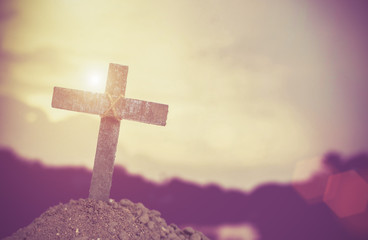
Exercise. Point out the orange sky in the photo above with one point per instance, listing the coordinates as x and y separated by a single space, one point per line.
251 86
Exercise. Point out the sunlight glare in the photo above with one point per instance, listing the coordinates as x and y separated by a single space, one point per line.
95 82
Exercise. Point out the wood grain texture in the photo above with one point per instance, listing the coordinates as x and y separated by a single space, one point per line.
98 103
108 136
103 167
79 101
116 80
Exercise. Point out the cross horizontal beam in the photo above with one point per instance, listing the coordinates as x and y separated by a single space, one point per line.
98 103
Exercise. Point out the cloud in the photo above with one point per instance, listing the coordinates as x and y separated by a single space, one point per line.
249 84
7 10
72 141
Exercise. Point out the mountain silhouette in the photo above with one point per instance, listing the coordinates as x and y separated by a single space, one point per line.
28 188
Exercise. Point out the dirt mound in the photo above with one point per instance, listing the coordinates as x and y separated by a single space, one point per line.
90 219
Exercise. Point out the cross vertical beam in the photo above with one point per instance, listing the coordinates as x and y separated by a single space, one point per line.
108 137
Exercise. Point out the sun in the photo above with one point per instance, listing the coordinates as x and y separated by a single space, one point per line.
95 82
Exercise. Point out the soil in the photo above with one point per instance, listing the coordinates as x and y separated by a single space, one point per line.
87 219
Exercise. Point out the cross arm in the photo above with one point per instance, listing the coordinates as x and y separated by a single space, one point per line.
146 112
98 103
79 101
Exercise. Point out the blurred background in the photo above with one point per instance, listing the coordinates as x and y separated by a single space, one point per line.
258 91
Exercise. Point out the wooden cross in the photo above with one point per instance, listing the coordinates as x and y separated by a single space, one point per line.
112 106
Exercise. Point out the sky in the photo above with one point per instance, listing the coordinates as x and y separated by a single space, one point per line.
254 88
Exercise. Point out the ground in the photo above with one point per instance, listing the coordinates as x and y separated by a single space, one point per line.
91 219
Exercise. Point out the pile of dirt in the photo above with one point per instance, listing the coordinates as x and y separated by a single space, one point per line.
87 219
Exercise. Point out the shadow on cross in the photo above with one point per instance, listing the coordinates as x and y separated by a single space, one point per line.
278 212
